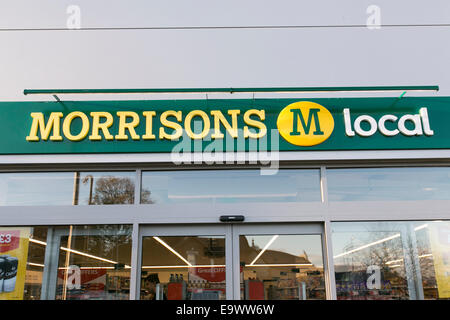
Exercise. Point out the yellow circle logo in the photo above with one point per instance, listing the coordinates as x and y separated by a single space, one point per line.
305 123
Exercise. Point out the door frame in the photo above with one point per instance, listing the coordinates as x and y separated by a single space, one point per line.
231 232
189 230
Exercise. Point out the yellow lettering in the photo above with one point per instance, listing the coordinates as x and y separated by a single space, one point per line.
45 129
84 127
254 123
170 129
206 124
149 125
123 125
170 124
220 118
96 126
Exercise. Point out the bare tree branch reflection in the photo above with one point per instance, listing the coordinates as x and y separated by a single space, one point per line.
117 190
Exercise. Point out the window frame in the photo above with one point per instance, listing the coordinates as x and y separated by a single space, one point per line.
138 215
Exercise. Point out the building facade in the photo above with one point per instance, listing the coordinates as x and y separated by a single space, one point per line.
255 199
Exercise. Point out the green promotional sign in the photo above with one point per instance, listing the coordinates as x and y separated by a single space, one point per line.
224 125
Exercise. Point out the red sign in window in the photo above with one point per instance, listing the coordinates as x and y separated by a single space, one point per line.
9 240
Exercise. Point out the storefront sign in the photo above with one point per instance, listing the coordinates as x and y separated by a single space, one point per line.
13 262
225 125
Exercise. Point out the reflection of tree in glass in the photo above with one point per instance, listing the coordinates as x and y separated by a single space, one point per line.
387 255
116 190
111 242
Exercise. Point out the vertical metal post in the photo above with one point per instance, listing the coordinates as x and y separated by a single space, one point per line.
135 273
409 267
233 279
135 257
91 186
137 187
75 200
330 279
76 188
324 185
49 275
67 262
415 262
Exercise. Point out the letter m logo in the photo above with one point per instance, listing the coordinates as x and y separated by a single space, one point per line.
297 117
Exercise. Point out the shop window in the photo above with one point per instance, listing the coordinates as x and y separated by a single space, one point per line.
66 188
402 184
230 186
392 260
65 262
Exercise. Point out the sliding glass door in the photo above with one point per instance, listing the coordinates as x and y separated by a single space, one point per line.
250 262
185 263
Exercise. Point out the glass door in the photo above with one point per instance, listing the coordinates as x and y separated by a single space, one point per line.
185 263
279 262
233 262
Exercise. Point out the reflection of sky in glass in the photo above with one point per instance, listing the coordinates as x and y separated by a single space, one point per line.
365 237
41 188
388 184
48 188
295 245
351 235
232 186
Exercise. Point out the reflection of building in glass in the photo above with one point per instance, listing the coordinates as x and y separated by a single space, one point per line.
428 276
372 270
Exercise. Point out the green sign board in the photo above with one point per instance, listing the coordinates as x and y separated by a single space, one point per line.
224 125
